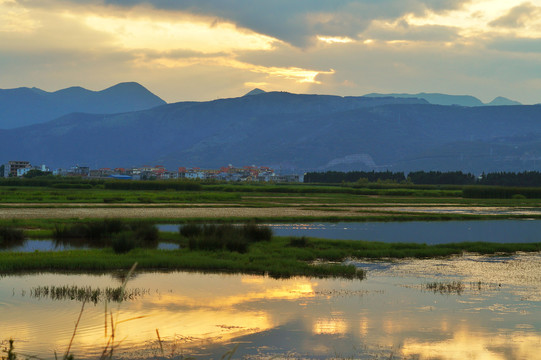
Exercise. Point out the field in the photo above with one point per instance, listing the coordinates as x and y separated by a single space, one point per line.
38 210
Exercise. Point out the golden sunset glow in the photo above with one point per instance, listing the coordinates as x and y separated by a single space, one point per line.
330 326
316 48
295 290
147 33
472 20
335 39
468 345
297 75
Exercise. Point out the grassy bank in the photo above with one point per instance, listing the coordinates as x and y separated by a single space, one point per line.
281 257
252 262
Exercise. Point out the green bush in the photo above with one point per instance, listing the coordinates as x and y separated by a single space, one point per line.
191 230
123 242
214 237
153 185
146 234
235 243
10 236
94 230
298 241
113 199
254 233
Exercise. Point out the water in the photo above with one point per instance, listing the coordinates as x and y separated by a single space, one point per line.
427 232
390 314
29 245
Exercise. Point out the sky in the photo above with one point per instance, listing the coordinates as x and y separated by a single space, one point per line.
207 49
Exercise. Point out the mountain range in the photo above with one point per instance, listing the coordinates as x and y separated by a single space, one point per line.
444 99
26 106
292 132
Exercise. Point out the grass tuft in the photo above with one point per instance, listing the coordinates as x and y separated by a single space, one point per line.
10 236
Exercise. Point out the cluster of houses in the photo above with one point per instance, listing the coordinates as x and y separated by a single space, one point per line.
158 172
19 168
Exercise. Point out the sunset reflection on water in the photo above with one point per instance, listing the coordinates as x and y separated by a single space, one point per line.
206 315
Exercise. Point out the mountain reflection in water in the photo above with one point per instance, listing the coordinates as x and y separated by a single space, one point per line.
204 315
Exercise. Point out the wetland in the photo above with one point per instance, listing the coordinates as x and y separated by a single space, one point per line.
393 313
346 274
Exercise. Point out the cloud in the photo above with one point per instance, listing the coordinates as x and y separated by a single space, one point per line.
518 16
297 22
403 31
205 49
517 45
142 32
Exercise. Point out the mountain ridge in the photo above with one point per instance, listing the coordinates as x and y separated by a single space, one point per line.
450 100
26 106
291 131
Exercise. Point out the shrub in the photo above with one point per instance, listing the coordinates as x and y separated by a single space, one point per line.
210 242
191 230
10 236
123 242
113 199
95 230
114 225
298 241
9 233
214 237
254 233
146 234
235 243
76 231
193 243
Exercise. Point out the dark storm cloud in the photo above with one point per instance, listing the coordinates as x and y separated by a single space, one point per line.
298 22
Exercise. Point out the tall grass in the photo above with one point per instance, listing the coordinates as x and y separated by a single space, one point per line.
10 236
213 237
121 235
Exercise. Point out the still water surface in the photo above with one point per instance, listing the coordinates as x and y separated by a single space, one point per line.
391 313
428 232
30 245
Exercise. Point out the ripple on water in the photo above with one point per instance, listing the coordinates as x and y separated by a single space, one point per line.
519 273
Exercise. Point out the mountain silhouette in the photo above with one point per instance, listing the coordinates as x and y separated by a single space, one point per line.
444 99
292 132
26 106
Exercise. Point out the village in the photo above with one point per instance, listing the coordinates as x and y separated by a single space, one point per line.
157 172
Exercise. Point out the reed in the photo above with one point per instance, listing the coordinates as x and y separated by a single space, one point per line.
453 287
215 237
10 236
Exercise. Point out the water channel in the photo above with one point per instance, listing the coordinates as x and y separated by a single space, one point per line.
427 232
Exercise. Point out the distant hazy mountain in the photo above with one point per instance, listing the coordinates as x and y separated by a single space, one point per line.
501 101
255 91
293 132
438 99
25 106
443 99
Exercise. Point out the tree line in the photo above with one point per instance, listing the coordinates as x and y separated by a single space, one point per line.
520 179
